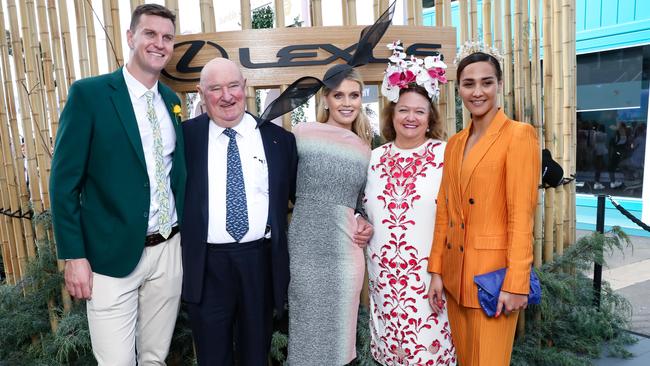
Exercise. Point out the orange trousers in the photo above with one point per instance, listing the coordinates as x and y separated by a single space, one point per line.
479 340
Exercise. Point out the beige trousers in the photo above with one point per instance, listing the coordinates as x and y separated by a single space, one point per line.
137 313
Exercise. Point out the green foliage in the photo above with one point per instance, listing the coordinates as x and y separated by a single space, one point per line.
24 314
279 343
262 18
298 114
364 357
566 328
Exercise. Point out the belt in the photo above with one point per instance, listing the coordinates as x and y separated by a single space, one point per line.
155 239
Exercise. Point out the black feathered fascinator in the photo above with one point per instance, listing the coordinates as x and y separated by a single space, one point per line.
304 88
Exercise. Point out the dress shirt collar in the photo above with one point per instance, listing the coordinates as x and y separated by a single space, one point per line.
244 128
136 87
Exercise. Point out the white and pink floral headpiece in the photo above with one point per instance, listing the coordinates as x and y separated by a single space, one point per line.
404 71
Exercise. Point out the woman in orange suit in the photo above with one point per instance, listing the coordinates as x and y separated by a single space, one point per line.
484 219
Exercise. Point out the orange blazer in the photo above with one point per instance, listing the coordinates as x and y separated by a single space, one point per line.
486 207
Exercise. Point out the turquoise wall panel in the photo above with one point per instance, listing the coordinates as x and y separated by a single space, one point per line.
642 10
586 214
593 13
580 15
626 11
609 13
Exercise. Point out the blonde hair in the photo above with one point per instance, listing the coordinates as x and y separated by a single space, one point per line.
361 125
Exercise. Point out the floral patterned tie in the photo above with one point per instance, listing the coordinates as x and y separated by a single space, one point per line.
162 192
236 206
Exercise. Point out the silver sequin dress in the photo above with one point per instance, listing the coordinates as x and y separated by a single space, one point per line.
327 268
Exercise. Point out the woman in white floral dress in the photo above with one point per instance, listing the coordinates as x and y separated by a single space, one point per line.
403 180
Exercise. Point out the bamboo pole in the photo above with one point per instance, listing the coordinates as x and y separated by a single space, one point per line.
62 93
173 6
440 13
518 63
37 135
450 88
116 39
13 186
246 19
487 22
473 16
418 12
549 140
8 194
280 23
410 12
317 13
442 103
110 34
135 3
536 76
21 250
464 36
279 14
568 118
91 38
574 107
50 93
84 64
464 31
526 67
57 57
246 23
498 21
558 94
508 98
67 42
207 16
537 122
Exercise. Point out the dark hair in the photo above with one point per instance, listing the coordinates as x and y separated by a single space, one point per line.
434 127
151 9
479 57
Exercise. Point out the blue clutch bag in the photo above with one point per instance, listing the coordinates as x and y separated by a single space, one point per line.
489 286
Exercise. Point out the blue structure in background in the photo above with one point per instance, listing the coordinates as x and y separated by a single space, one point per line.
601 25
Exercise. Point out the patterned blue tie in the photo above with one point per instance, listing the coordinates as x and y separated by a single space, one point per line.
236 207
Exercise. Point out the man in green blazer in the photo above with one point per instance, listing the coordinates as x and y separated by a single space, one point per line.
117 188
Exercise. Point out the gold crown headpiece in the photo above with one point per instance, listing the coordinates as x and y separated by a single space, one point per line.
470 47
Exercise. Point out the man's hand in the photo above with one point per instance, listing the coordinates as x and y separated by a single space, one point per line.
78 278
363 233
509 302
435 293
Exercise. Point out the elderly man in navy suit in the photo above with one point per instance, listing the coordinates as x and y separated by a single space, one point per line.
241 176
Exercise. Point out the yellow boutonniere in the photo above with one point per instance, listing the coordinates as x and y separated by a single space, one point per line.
176 109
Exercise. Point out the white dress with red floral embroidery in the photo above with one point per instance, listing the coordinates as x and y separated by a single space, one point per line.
400 196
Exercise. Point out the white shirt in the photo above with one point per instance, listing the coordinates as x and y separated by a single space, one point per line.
139 103
256 180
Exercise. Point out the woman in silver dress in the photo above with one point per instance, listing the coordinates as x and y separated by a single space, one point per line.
326 265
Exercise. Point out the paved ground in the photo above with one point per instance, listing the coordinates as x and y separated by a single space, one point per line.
629 274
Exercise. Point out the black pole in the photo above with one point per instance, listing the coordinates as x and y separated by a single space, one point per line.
598 269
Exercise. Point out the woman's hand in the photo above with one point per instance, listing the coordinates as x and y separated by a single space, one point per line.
509 302
363 233
435 293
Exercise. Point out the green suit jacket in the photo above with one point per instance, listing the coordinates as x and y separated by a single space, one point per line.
99 186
